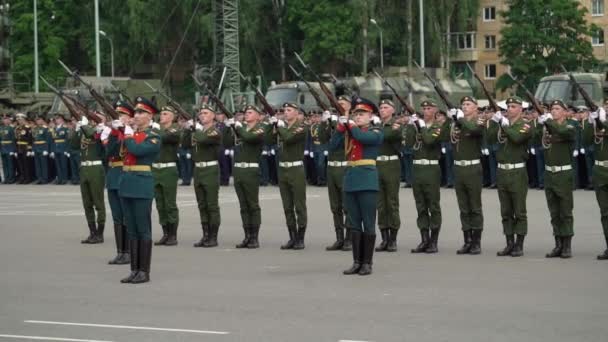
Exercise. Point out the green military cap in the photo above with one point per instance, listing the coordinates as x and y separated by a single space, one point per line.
514 99
291 104
207 106
468 98
20 116
582 108
253 108
387 102
428 103
559 103
345 98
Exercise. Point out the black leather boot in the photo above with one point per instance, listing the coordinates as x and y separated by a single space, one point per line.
356 244
557 250
98 237
165 236
425 238
467 243
509 247
293 232
300 238
253 241
339 241
392 240
119 259
134 252
432 247
145 258
203 240
385 236
92 233
605 255
567 247
475 242
212 240
172 234
126 256
245 242
518 249
348 242
369 241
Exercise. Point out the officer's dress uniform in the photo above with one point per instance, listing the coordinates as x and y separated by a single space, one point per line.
24 148
184 162
8 151
42 141
60 144
318 150
164 170
73 153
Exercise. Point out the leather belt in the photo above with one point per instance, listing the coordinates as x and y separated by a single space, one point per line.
6 142
91 163
387 158
21 142
60 140
206 164
135 168
337 163
116 163
426 162
39 142
362 162
555 169
466 162
163 165
290 164
246 165
511 166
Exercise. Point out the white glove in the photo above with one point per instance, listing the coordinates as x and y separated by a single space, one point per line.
343 120
272 151
575 153
376 120
100 127
238 124
459 114
334 118
273 120
189 123
443 150
504 122
12 154
45 153
325 153
594 115
305 152
129 130
453 113
155 125
52 154
351 123
311 154
232 153
116 124
230 122
227 152
83 121
601 114
582 151
188 156
326 115
281 123
486 151
105 134
533 151
67 154
421 123
497 117
199 127
78 125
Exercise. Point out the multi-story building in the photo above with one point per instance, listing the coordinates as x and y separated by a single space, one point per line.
480 48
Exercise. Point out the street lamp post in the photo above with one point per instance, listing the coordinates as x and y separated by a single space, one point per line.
97 57
111 50
373 21
36 87
421 33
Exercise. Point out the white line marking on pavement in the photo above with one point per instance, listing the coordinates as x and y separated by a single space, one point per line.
129 327
353 341
45 338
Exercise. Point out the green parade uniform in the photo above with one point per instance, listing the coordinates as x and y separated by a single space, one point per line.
246 175
558 139
41 147
466 136
361 186
292 179
164 170
205 145
426 145
137 193
389 173
596 134
336 166
92 176
512 178
8 151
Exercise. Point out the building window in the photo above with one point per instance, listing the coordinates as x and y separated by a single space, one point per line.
598 38
490 42
597 7
490 71
489 13
463 40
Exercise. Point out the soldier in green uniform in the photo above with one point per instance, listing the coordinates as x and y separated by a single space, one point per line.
42 144
92 176
336 165
466 134
250 135
114 152
361 182
595 133
291 134
59 147
204 142
389 171
425 135
166 176
8 149
511 133
558 139
142 147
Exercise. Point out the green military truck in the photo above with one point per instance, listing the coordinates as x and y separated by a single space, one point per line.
559 87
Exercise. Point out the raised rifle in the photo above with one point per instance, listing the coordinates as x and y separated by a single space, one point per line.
105 105
312 90
529 95
77 109
337 82
438 89
180 111
588 100
258 94
404 103
493 103
332 99
206 89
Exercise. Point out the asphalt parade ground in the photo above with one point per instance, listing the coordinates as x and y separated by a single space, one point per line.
53 288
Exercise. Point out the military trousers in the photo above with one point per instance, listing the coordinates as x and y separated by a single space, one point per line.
23 167
468 185
512 192
41 164
426 189
206 189
75 167
389 179
247 187
335 181
292 186
8 167
138 217
320 160
601 194
558 191
61 167
361 210
92 182
115 206
165 195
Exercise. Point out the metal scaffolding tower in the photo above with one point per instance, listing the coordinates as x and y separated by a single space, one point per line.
227 41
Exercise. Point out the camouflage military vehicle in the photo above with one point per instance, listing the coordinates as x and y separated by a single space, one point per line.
16 101
559 87
296 92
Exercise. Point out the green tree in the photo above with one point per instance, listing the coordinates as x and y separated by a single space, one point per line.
541 35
